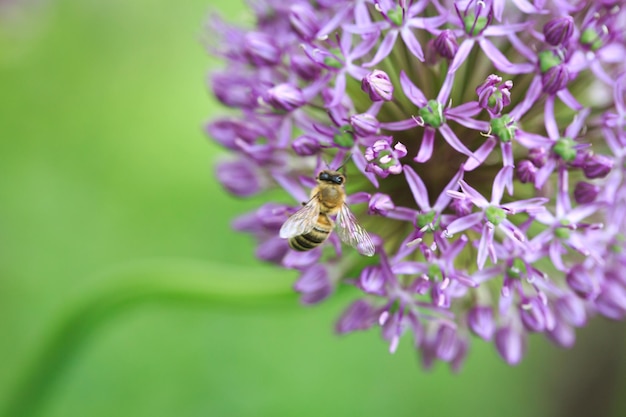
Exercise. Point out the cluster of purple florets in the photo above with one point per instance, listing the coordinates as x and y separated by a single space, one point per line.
485 143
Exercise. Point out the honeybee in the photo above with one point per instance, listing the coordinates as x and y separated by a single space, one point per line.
310 226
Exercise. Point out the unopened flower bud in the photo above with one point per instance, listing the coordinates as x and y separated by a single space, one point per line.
445 44
538 156
261 49
572 310
481 321
581 282
559 30
285 97
305 68
445 343
597 166
233 91
238 177
314 285
526 171
462 207
378 85
306 145
365 124
611 301
536 316
371 280
304 20
555 79
510 344
585 193
360 315
380 204
562 335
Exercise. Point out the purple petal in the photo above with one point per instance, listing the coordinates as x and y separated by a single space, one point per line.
499 183
522 48
420 193
485 246
550 120
510 345
569 100
384 49
361 164
409 268
480 154
399 126
577 124
503 30
426 148
450 137
481 321
532 140
411 43
501 62
532 94
464 223
461 55
464 110
412 92
531 205
339 90
444 197
334 21
292 186
444 92
476 198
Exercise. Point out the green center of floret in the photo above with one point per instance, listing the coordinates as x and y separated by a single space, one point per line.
344 138
434 272
564 147
432 114
474 25
495 215
332 61
395 15
517 269
547 60
427 219
591 38
503 127
563 232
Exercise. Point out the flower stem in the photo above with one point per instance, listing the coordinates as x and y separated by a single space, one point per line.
179 282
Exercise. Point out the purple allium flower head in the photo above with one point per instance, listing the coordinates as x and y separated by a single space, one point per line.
444 161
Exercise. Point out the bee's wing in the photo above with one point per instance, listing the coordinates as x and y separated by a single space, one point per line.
351 232
302 221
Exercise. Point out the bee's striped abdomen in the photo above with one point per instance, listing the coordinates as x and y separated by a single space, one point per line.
315 237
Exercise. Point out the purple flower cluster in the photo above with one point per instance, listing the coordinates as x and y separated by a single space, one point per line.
485 143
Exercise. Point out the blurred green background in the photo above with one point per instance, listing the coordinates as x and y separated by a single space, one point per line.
122 290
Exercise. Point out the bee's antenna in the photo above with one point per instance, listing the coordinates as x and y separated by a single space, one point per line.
339 161
346 159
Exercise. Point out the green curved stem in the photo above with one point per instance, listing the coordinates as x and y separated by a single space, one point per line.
169 282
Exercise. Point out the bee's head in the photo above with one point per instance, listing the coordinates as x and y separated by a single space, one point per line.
332 177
